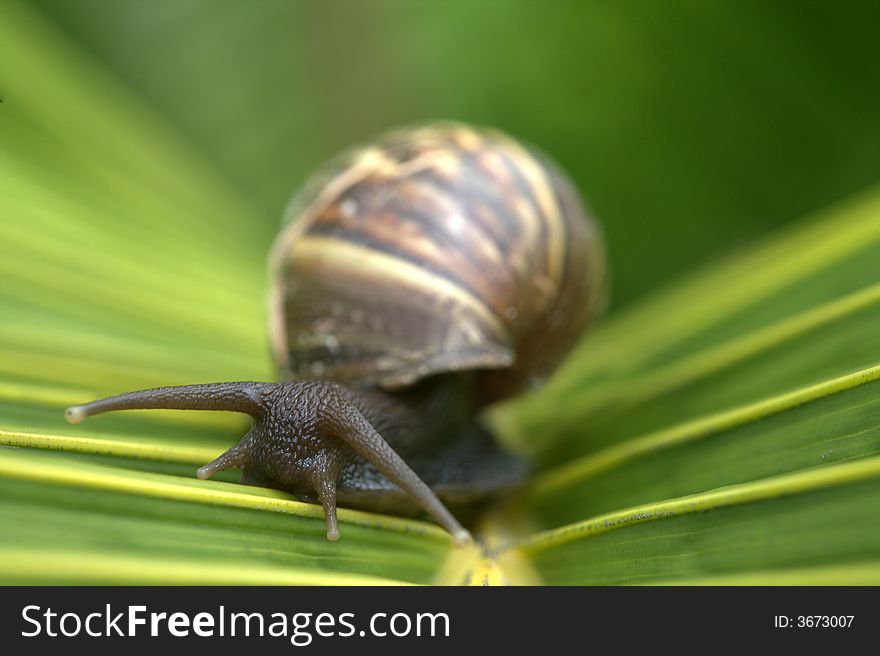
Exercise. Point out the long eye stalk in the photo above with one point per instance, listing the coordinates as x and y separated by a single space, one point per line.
234 397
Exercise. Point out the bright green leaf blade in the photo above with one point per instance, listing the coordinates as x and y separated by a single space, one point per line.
813 427
824 517
139 518
747 390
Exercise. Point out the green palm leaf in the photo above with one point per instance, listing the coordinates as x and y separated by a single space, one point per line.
725 430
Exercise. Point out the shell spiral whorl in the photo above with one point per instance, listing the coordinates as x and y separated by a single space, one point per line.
437 248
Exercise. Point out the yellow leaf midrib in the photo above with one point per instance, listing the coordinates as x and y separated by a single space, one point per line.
50 565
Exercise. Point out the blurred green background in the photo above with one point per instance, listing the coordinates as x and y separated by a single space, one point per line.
692 126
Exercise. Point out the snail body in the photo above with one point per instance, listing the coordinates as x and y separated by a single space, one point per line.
415 281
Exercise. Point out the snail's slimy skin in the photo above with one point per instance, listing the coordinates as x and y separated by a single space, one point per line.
321 440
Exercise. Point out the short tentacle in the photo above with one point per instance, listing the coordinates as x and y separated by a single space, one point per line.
237 456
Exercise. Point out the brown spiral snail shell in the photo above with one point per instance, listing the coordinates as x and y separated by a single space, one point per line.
416 280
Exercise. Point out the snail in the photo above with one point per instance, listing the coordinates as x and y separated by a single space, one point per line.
415 281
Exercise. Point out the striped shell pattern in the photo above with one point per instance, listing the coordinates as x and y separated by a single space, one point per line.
436 248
